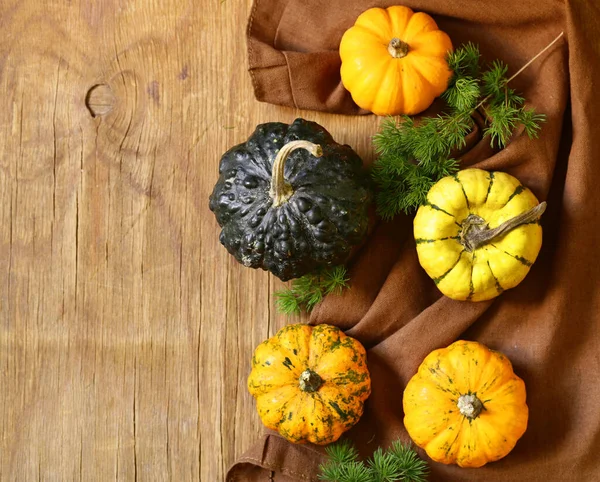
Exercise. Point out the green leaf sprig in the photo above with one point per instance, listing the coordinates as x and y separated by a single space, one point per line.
400 463
307 291
413 156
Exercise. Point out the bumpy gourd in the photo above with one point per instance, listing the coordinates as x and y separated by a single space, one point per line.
310 383
465 405
394 61
291 200
478 233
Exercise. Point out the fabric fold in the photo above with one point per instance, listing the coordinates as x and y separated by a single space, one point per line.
272 458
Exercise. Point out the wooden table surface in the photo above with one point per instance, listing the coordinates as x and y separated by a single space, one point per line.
126 329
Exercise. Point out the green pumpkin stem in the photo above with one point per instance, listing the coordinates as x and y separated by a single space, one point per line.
397 48
475 231
469 406
281 190
310 381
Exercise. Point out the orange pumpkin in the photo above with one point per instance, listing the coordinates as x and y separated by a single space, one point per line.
310 383
465 405
394 61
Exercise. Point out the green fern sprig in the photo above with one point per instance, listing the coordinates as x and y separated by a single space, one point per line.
309 290
464 62
413 156
400 463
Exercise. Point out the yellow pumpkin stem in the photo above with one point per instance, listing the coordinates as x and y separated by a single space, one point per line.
281 190
475 231
397 48
469 406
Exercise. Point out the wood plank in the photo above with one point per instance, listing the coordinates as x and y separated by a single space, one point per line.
126 329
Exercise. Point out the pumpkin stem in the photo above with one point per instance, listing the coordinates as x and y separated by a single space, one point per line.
310 381
469 406
281 190
476 232
397 48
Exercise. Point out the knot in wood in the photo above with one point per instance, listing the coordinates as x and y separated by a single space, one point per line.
100 100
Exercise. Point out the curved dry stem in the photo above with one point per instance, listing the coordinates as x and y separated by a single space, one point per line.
281 190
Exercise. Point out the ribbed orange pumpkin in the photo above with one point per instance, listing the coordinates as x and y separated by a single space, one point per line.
310 383
465 405
394 61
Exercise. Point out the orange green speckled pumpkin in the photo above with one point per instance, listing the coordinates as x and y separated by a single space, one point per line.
465 405
310 383
478 233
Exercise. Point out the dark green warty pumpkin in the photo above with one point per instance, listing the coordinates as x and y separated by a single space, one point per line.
291 200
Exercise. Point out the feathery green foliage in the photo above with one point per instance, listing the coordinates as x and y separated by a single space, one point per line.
413 156
307 291
412 468
400 463
464 62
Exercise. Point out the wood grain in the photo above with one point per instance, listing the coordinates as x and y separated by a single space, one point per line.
126 329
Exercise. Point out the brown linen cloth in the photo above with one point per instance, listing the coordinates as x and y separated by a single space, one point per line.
549 325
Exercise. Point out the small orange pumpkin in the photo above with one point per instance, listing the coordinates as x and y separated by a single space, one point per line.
394 61
310 383
465 405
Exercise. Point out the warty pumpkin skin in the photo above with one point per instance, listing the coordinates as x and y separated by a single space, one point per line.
394 61
291 200
310 383
465 405
478 233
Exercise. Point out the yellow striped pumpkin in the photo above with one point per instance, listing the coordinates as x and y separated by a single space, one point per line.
478 233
